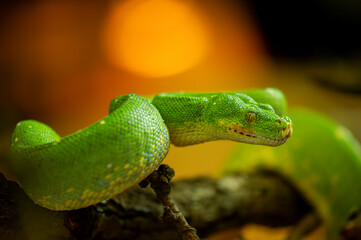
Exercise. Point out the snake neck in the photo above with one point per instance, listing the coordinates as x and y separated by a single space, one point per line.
189 133
184 119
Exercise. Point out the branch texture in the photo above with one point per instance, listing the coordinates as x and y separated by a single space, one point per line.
209 205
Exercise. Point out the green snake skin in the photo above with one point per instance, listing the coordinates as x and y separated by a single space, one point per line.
120 150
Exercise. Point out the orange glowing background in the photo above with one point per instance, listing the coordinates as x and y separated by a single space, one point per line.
156 38
71 59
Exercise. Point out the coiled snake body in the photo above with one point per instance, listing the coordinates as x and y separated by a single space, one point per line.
124 147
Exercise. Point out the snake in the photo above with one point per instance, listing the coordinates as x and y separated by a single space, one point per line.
120 150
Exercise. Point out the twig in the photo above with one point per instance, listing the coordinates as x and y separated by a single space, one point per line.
159 181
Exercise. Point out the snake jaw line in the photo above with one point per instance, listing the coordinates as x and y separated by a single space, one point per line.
250 136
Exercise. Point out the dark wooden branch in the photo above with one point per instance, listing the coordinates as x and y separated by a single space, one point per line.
209 205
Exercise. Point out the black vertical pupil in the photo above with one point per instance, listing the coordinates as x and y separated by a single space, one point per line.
251 117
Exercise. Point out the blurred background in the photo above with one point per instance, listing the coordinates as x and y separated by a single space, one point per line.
61 62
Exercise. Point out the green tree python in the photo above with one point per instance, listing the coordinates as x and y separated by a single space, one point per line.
120 150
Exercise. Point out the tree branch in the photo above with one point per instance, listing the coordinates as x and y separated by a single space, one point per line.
210 205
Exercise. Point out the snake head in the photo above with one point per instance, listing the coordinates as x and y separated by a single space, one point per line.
238 117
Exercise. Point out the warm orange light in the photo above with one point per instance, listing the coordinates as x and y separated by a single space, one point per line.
155 38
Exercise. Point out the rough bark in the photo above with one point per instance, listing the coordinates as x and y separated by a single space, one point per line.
209 205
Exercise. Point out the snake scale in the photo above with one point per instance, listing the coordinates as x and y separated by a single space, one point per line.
120 150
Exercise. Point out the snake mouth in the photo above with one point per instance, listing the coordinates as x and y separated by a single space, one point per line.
250 136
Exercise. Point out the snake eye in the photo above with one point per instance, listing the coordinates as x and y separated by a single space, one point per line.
251 117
